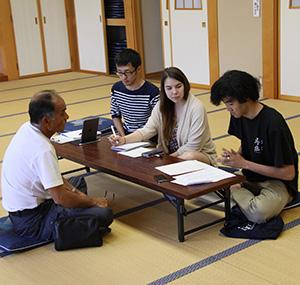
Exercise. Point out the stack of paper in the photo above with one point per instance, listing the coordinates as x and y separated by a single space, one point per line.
129 146
68 136
136 152
59 138
181 167
208 175
195 172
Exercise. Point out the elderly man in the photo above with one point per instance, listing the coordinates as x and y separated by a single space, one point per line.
33 191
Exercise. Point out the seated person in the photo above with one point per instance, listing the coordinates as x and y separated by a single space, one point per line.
267 154
179 120
132 98
33 191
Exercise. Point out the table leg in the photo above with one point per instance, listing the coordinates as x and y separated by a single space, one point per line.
180 218
227 203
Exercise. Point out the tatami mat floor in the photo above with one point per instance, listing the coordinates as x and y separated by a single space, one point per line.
143 246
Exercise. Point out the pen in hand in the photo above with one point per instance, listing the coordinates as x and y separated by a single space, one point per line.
114 133
113 130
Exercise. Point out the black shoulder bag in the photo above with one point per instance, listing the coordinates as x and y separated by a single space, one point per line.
78 232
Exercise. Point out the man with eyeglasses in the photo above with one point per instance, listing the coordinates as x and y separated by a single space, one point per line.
132 98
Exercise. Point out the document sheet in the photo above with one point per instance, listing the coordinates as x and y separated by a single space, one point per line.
68 136
137 152
194 172
129 146
181 167
207 175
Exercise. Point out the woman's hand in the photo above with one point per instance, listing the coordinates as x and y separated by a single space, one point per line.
116 140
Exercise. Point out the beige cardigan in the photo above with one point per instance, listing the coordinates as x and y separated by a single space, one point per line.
193 132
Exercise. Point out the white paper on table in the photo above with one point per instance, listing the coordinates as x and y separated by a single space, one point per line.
75 135
59 138
129 146
68 136
207 175
181 167
137 152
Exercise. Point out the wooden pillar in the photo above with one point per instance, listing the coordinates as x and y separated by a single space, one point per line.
270 48
213 40
8 55
72 34
134 34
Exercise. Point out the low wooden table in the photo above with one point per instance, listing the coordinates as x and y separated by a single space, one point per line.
142 171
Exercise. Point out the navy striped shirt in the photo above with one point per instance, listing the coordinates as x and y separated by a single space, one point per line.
134 107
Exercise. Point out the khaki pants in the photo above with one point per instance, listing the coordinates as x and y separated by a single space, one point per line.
268 203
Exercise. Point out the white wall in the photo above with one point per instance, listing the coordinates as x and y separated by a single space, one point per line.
240 37
289 50
152 36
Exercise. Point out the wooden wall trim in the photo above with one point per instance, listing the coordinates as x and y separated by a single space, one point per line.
289 98
200 86
115 22
269 47
7 42
134 33
42 34
72 34
105 37
213 40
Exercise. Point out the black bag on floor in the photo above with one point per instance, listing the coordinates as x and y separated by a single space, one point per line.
237 226
77 232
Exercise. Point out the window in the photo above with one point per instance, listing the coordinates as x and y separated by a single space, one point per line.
294 4
188 4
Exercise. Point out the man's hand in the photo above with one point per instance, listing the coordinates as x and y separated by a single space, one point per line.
235 186
100 202
232 158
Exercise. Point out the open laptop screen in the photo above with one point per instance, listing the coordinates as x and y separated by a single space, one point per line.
89 131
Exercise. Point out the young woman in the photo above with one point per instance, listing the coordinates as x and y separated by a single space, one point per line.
179 120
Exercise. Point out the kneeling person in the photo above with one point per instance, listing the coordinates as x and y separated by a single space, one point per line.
267 154
33 190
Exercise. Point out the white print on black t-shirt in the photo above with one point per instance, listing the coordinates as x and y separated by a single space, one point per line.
258 145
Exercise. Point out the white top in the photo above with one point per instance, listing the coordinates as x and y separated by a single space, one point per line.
30 167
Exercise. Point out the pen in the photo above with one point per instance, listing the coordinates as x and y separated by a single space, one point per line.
113 130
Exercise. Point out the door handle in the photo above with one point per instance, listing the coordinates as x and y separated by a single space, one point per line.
44 18
36 20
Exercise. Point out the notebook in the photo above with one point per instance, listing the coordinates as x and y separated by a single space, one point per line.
129 146
89 132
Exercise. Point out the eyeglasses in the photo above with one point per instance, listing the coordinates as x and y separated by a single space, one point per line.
126 73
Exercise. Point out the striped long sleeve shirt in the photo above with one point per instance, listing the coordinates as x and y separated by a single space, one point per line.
133 107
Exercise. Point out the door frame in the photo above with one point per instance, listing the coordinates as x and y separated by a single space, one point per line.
270 48
213 49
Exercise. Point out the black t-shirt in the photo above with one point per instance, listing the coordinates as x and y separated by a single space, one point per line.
266 140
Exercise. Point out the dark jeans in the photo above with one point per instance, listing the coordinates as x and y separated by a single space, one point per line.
39 222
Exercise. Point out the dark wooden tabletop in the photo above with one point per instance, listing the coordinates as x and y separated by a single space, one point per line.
138 170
